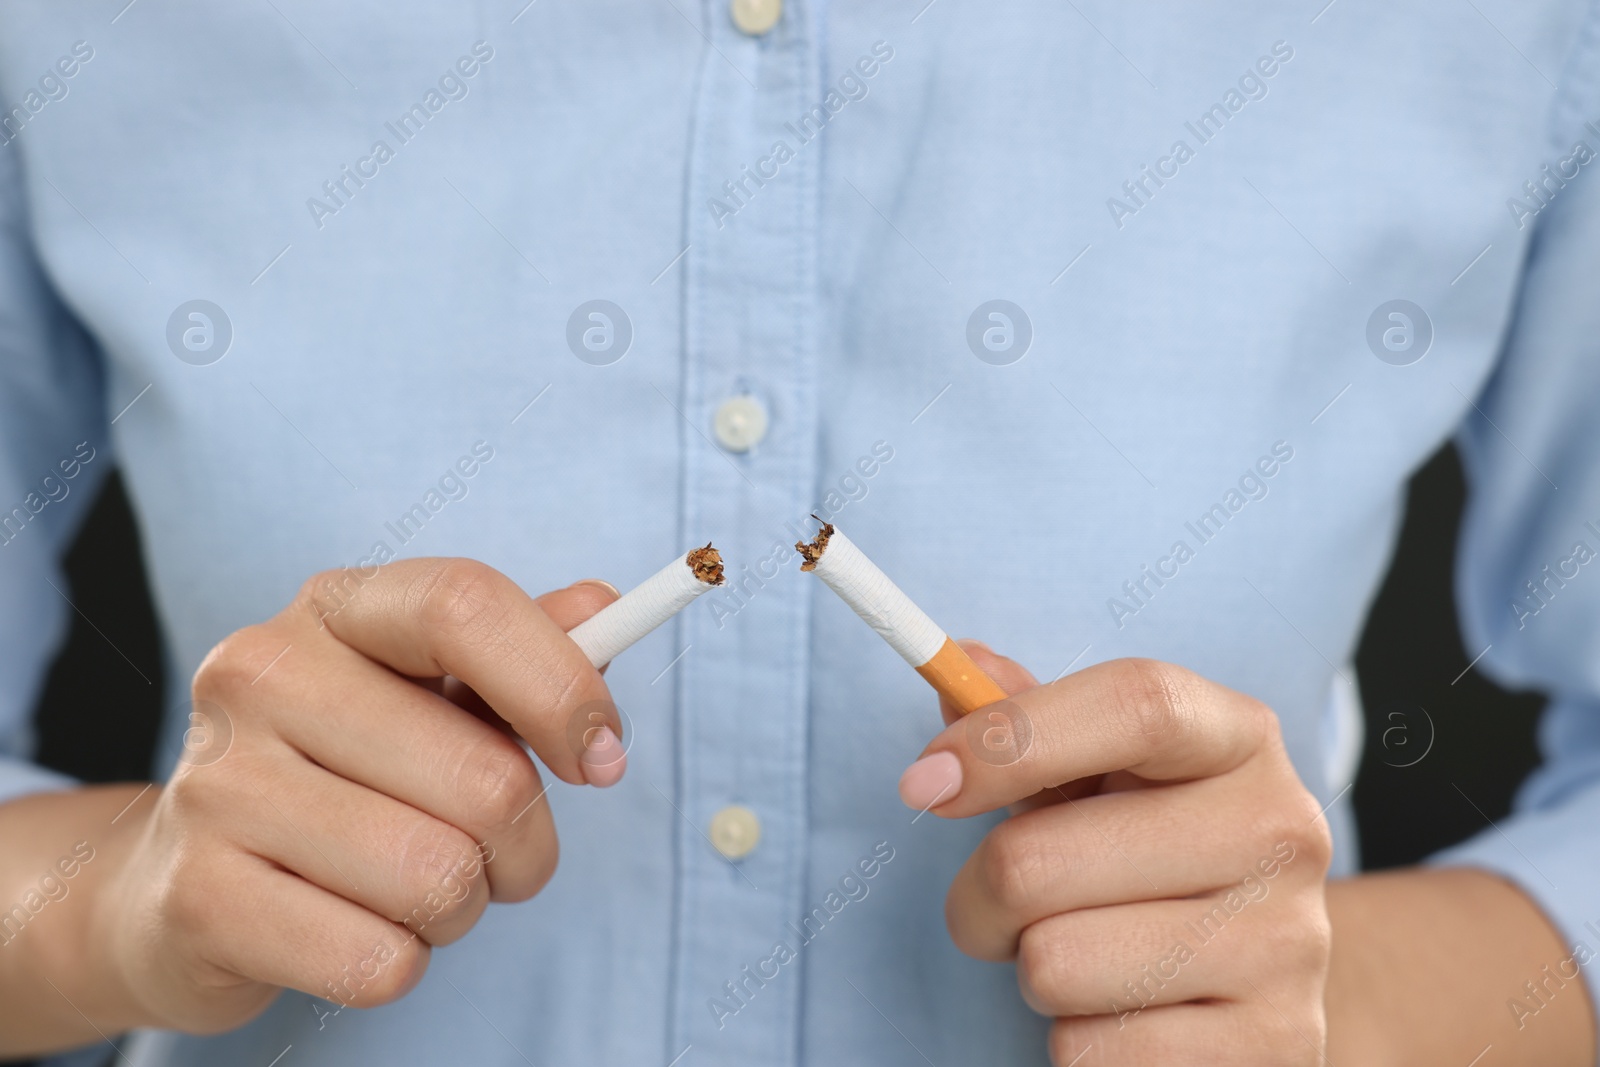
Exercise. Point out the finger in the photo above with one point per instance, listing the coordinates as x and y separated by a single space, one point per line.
1171 951
402 741
284 931
987 728
597 732
1012 676
566 608
371 849
991 731
591 605
1148 844
467 699
1196 1035
578 602
1151 719
431 617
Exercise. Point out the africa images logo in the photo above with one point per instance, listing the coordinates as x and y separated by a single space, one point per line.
199 332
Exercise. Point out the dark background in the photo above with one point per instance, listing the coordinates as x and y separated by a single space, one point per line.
1437 733
1411 663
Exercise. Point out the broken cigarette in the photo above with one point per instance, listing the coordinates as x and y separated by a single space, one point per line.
908 630
647 605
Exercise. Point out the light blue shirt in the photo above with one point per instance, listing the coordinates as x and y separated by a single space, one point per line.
1184 435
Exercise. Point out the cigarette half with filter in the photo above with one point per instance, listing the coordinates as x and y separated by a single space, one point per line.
846 570
647 605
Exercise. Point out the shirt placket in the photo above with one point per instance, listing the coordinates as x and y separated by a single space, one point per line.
750 304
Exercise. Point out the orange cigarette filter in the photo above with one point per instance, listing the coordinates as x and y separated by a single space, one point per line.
958 679
846 570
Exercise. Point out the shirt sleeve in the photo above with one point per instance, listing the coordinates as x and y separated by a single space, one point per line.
54 454
1528 578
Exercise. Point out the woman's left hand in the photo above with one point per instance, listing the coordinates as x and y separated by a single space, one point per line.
1160 880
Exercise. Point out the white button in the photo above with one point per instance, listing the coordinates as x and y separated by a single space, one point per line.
735 831
755 17
741 423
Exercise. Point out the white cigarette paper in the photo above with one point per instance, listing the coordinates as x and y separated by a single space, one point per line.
906 628
869 593
647 605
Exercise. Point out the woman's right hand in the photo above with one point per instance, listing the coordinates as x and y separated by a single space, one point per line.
360 799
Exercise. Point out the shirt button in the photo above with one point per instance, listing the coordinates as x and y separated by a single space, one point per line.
755 17
735 831
740 423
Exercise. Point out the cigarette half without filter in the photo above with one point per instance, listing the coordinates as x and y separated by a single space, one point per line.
846 570
648 605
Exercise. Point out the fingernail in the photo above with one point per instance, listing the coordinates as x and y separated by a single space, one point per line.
600 583
931 780
603 759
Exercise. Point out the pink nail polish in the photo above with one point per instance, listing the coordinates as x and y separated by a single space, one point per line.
604 759
931 781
